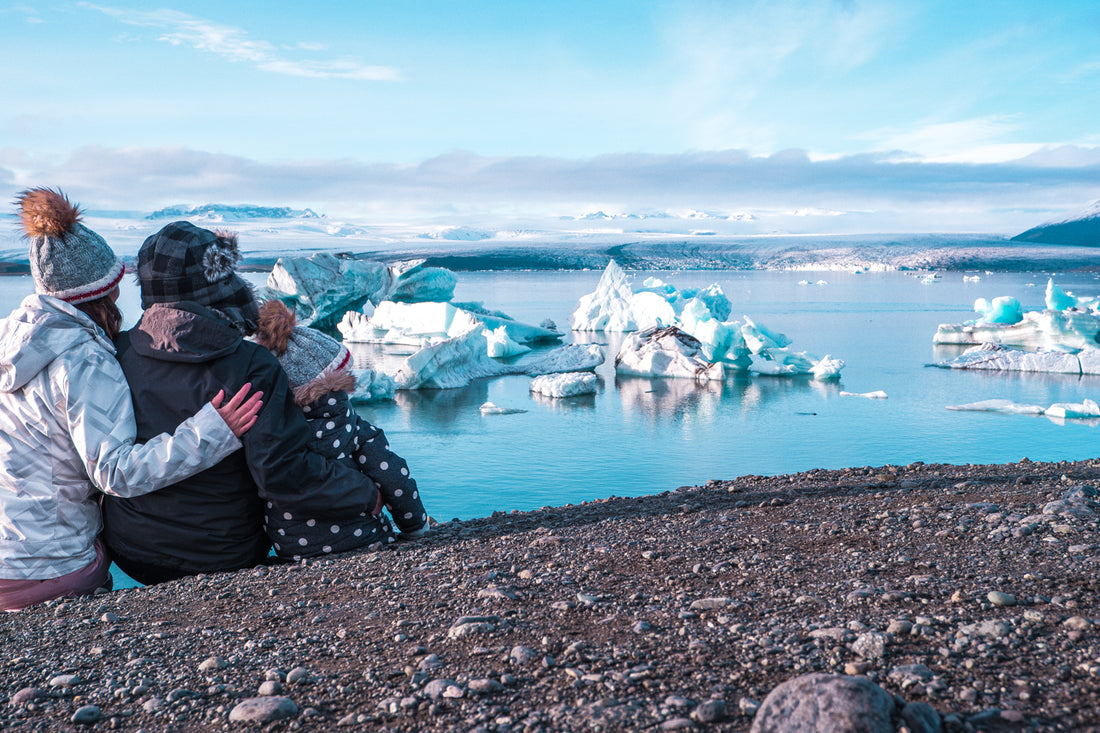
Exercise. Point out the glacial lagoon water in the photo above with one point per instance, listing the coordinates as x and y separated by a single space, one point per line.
641 436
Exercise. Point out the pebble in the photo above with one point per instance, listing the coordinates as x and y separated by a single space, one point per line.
65 680
212 664
298 675
270 687
26 695
523 655
870 645
263 710
711 711
437 689
87 715
999 598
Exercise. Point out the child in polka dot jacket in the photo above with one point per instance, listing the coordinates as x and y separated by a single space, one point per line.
317 369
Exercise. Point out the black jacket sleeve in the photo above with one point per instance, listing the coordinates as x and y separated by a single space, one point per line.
287 473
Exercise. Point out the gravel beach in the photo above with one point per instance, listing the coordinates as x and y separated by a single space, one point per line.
969 594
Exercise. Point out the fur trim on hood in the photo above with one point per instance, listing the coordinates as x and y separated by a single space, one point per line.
46 213
340 381
275 326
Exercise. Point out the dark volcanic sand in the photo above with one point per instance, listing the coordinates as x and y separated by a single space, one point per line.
622 614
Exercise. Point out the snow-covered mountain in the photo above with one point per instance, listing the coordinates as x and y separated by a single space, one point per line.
226 212
1082 229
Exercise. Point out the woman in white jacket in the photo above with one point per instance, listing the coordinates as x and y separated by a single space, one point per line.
67 427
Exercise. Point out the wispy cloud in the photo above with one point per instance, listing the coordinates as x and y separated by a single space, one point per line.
234 44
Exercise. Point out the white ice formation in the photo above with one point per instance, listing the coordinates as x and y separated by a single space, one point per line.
1067 324
1086 410
371 385
999 358
457 361
702 314
489 408
420 324
878 394
321 288
569 384
666 352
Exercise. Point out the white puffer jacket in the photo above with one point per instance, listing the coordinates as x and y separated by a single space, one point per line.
67 429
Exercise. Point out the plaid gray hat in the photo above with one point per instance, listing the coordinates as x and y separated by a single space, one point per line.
182 262
68 260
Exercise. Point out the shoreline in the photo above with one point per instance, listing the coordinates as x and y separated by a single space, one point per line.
676 610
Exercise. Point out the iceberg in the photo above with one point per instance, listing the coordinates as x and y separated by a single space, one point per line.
457 361
996 357
878 394
420 324
489 408
666 352
568 384
699 313
321 288
1003 309
608 307
1005 406
1049 329
1086 410
568 358
501 345
1068 323
372 386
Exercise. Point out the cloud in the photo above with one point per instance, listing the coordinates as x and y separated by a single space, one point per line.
876 192
234 44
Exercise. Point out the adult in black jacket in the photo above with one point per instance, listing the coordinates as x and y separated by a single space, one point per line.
189 339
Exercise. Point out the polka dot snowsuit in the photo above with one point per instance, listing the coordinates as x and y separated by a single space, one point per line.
341 435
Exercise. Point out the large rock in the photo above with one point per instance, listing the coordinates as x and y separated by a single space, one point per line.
826 703
263 710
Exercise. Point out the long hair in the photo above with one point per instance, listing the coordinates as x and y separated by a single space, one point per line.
105 313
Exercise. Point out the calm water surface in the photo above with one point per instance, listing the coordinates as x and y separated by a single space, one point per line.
639 436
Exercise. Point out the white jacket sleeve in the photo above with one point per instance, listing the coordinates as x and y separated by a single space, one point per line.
101 424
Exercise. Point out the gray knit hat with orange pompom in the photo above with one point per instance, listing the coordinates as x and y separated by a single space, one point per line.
68 260
305 353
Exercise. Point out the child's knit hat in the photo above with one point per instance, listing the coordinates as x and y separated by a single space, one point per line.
68 260
305 353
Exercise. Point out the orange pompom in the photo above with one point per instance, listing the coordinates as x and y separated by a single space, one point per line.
275 325
46 212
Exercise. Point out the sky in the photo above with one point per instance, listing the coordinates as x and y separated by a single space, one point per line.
831 115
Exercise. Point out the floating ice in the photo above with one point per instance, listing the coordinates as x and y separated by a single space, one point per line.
1005 406
827 368
608 307
1049 329
371 385
500 344
699 313
1002 309
1059 410
1068 323
490 409
568 358
321 288
425 323
665 352
759 339
569 384
457 361
876 395
996 357
451 363
972 278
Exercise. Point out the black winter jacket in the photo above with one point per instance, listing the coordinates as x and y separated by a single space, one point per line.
175 359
